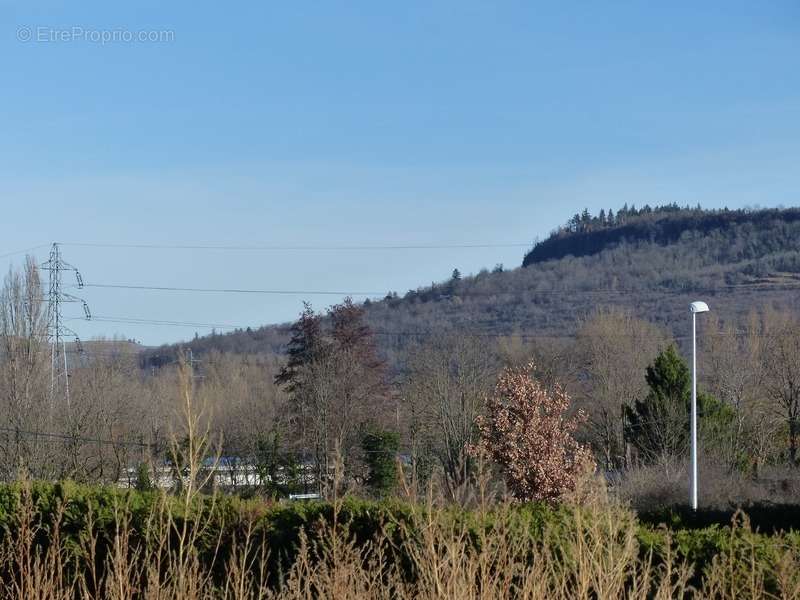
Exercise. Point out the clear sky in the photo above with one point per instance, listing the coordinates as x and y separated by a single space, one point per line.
371 123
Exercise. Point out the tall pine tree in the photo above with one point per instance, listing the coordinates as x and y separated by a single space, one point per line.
658 425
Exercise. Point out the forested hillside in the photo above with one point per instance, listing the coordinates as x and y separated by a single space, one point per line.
586 234
651 260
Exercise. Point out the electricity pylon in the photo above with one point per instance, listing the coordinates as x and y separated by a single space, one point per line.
57 332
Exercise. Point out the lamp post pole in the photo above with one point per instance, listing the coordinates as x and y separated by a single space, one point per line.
694 412
694 308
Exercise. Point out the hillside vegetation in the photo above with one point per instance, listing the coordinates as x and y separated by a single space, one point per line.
652 261
653 265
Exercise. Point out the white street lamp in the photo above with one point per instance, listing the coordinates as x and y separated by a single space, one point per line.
695 307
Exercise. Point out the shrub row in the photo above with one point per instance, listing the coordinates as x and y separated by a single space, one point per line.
75 509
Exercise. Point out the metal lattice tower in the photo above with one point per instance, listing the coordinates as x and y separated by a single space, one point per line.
57 332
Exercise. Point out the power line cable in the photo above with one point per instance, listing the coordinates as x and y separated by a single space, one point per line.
464 294
230 290
362 247
71 438
31 249
137 321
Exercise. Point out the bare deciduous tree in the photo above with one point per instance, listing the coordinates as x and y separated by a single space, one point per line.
781 332
615 348
447 383
250 411
107 406
23 373
736 375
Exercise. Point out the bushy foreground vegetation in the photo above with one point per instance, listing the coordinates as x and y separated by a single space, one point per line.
67 540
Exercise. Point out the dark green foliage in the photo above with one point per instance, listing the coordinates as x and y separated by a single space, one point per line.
766 518
716 424
380 455
277 467
143 482
661 225
305 346
658 425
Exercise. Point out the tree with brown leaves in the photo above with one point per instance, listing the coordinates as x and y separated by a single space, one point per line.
528 433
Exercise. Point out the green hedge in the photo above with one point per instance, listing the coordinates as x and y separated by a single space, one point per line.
696 538
766 518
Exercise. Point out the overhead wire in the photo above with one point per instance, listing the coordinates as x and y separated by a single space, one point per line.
71 438
138 321
24 250
466 293
360 247
228 290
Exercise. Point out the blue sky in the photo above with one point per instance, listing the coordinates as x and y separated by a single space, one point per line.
370 123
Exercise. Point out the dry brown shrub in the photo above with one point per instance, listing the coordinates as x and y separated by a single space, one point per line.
528 433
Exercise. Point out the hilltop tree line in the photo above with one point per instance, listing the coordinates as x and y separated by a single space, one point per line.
585 221
585 234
